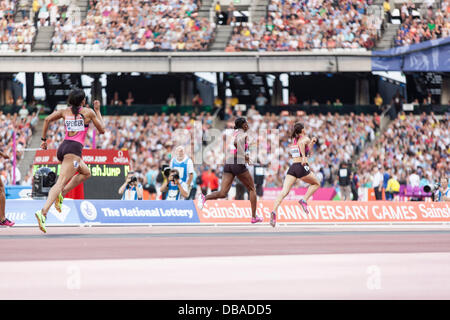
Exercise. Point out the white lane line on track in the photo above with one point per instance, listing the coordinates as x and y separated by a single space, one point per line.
328 276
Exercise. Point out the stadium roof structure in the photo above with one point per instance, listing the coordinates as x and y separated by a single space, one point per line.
187 62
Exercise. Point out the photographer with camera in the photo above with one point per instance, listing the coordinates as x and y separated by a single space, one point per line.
443 192
176 189
131 189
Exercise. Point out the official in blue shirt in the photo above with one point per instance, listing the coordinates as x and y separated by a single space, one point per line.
184 165
443 194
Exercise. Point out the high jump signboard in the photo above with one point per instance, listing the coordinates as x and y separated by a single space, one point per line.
109 169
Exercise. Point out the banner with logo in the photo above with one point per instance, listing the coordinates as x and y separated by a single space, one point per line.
136 212
295 193
17 192
22 213
109 169
327 212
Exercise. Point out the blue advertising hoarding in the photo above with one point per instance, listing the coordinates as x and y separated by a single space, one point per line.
22 213
78 212
136 212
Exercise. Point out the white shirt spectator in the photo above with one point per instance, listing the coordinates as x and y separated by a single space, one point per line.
414 180
377 179
23 113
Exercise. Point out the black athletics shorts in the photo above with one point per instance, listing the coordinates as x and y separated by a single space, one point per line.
298 170
69 146
235 169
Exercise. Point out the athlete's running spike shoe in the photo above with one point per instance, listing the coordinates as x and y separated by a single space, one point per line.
59 202
304 205
201 201
7 223
257 219
273 219
41 220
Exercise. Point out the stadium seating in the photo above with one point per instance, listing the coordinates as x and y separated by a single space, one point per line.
410 143
24 131
306 25
135 25
14 36
432 23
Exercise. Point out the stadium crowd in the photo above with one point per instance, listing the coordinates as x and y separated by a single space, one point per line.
432 24
339 138
132 25
413 149
14 36
24 127
150 139
305 25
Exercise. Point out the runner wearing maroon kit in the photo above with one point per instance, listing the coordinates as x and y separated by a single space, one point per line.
236 166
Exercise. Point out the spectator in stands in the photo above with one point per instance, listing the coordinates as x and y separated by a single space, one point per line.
261 100
197 102
218 103
378 100
293 25
377 183
23 112
171 101
292 99
252 111
431 25
354 185
414 179
172 25
411 142
129 101
387 10
213 180
218 11
230 13
337 103
115 101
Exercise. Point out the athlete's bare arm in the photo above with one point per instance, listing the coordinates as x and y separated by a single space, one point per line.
57 114
312 143
302 145
96 117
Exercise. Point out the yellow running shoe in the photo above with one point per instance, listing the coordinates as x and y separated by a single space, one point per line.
59 202
41 220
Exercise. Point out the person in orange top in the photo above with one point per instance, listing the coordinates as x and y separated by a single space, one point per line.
213 181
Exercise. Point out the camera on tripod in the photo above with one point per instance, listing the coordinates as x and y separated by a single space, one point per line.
43 180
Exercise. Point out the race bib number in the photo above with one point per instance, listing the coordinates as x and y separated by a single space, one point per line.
76 125
295 152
